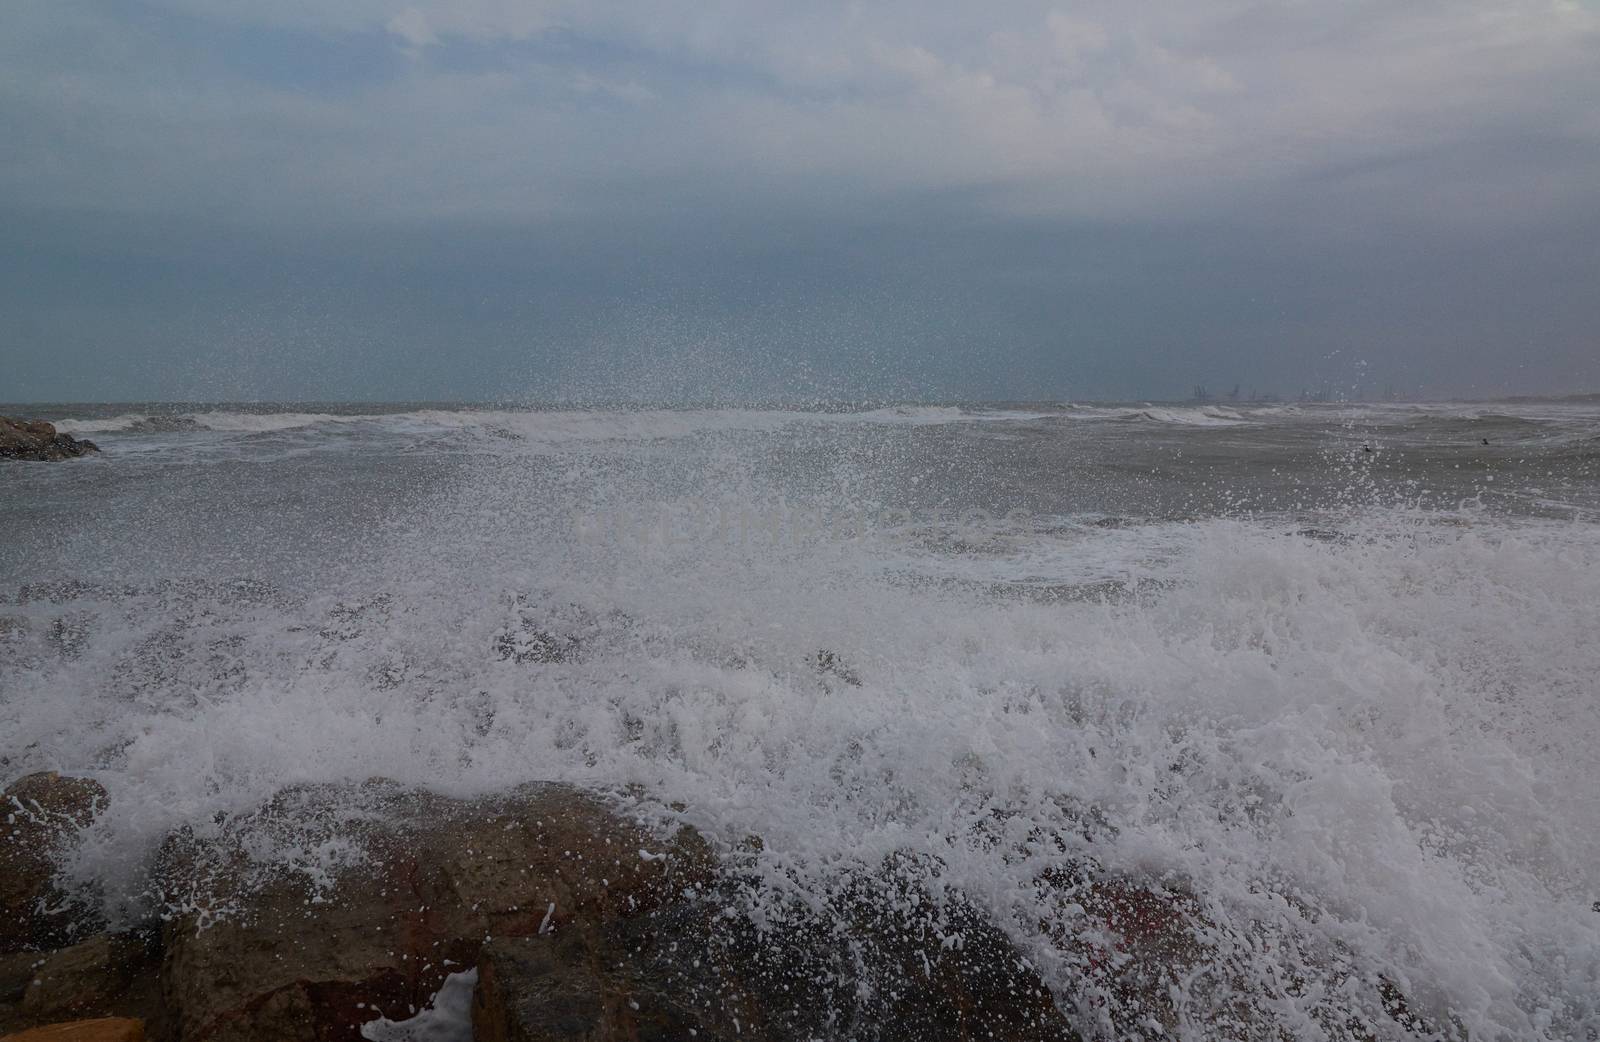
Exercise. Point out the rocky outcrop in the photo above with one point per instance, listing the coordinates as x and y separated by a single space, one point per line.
38 440
332 908
38 816
582 924
58 965
879 961
255 953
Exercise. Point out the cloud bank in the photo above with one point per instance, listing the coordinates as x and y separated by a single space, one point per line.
1046 165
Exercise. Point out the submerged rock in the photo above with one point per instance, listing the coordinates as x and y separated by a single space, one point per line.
530 644
829 664
38 816
545 633
38 440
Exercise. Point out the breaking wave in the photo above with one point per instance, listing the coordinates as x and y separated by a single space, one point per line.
1364 750
1193 416
1577 423
556 425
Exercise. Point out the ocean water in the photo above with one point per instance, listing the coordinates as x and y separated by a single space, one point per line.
1333 670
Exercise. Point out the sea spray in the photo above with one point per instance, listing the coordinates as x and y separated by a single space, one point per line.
1350 729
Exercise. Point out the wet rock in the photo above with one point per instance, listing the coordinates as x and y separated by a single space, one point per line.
879 959
581 923
38 816
104 1029
408 887
1131 945
544 631
558 988
531 644
887 956
1149 959
829 664
38 440
16 972
90 978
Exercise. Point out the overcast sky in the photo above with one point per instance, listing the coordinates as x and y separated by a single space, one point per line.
691 199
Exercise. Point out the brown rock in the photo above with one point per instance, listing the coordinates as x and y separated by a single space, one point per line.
561 988
16 973
85 978
38 440
434 877
888 959
879 960
105 1029
38 815
582 924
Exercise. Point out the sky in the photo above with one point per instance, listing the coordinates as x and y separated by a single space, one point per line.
706 200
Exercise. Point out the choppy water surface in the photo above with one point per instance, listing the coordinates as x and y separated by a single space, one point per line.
1332 669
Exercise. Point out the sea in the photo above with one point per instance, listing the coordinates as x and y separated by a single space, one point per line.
1332 670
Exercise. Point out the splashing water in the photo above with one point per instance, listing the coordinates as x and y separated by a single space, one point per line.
1329 673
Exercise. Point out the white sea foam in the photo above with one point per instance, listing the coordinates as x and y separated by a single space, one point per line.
1182 415
545 425
447 1018
1375 744
1575 421
236 422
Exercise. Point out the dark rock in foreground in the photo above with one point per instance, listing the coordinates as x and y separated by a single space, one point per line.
38 440
333 907
55 965
881 964
38 816
107 973
582 924
255 953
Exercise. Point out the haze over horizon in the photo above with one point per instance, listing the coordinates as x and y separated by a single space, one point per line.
413 199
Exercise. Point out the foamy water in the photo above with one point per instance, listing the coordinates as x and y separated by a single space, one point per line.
1332 670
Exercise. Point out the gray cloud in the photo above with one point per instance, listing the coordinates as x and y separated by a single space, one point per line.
995 199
